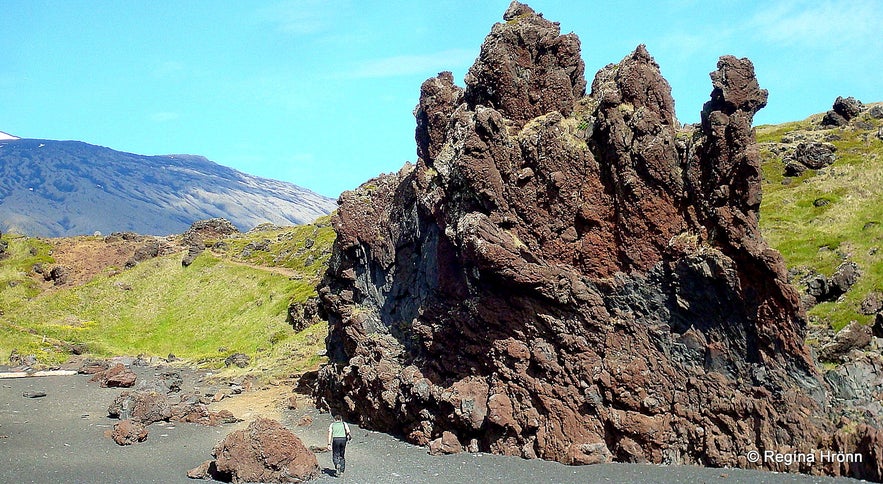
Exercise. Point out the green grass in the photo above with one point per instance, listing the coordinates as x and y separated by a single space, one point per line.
202 313
847 228
288 248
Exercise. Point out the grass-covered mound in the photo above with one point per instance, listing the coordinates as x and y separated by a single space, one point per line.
229 300
822 218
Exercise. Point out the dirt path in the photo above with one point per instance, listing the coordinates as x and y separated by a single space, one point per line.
60 438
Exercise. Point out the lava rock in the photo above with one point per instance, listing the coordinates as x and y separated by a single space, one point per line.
849 107
872 303
853 336
526 68
238 359
446 444
128 432
548 293
145 407
844 277
815 155
115 376
265 452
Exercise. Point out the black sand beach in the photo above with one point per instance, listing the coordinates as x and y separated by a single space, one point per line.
60 438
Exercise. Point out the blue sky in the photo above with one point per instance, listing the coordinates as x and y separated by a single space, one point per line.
321 93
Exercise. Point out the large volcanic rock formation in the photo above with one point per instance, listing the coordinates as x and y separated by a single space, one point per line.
574 277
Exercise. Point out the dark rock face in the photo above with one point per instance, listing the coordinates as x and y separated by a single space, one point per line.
581 283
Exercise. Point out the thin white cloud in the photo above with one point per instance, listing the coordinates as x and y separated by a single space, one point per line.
403 65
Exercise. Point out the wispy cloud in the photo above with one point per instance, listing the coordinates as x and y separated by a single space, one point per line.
403 65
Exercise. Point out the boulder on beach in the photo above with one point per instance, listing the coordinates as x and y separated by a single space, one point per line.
264 452
117 376
128 432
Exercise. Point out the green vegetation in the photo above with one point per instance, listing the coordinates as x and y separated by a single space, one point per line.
225 302
822 218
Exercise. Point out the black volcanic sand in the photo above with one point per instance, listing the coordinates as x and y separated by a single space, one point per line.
60 438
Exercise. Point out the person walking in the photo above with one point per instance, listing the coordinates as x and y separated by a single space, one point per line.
338 436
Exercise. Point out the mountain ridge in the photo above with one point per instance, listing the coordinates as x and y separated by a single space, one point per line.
64 188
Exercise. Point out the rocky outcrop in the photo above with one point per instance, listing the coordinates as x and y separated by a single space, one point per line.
526 68
843 111
574 278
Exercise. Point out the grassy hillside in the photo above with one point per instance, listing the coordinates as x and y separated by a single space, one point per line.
226 302
824 217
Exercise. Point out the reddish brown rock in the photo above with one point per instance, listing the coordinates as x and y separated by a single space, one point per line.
128 432
581 283
526 68
446 444
145 407
115 376
265 452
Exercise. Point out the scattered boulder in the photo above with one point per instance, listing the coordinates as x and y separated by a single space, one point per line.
199 413
19 360
853 336
208 470
844 277
872 303
849 107
844 110
214 228
145 407
265 452
815 155
792 168
238 359
303 315
147 251
115 376
59 275
446 444
876 112
128 432
877 328
192 253
822 288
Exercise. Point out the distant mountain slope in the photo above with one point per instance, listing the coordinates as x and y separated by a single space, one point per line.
62 188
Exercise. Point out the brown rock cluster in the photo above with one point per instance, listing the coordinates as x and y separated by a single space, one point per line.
576 277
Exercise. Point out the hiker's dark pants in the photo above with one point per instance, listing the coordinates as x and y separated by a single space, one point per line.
338 449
